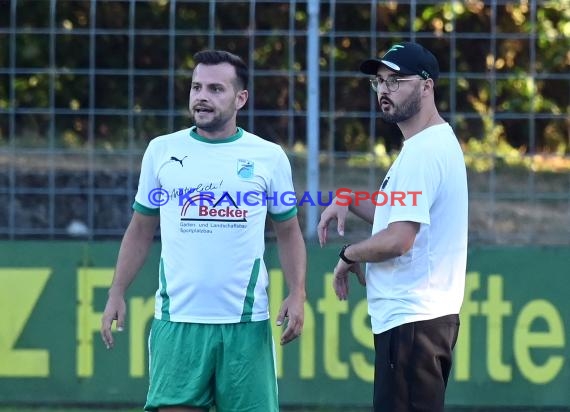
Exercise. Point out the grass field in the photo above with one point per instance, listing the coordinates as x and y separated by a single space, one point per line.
127 409
290 409
41 409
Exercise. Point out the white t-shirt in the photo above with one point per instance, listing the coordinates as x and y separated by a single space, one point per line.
428 281
216 197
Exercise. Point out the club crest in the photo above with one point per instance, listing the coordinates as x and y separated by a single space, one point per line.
245 168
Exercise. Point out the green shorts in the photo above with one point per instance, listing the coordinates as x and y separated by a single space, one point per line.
229 366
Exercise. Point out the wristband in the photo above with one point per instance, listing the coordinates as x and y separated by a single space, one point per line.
343 257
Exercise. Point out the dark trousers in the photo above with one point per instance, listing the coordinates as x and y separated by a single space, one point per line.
412 365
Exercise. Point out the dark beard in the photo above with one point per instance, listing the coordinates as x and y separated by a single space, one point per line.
211 125
403 112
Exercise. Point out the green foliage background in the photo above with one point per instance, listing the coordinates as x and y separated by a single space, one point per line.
68 67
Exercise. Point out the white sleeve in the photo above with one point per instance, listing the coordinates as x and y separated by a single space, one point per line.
416 184
281 190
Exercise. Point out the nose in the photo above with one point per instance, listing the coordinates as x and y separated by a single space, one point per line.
383 88
381 93
198 96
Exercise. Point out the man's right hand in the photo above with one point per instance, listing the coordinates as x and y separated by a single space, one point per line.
334 211
115 309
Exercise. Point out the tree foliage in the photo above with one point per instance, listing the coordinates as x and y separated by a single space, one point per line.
114 74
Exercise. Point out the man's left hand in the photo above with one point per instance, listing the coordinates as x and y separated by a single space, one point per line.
340 281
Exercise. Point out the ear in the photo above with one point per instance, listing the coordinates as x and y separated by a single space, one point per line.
428 85
241 98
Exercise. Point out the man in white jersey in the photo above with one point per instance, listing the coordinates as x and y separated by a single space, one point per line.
211 188
416 256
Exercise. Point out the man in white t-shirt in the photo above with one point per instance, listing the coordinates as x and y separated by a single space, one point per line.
416 256
211 187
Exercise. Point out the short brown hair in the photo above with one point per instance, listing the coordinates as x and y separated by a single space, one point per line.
211 57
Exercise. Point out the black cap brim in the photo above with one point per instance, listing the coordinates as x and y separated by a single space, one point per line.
371 66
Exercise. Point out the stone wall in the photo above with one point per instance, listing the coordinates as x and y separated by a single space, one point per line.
62 198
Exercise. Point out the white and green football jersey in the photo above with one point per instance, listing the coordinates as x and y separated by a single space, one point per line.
213 198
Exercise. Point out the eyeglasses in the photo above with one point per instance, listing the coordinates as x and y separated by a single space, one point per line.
392 83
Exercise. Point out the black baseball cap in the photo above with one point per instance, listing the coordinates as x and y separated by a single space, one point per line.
406 58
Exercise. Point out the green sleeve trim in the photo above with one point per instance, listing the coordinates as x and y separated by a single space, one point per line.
145 210
281 217
165 307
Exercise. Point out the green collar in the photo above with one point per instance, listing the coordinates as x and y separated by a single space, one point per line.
232 138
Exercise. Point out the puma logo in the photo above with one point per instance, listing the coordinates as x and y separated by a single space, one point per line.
178 160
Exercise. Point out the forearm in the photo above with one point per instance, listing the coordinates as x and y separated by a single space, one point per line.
377 248
134 249
363 209
389 243
292 256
